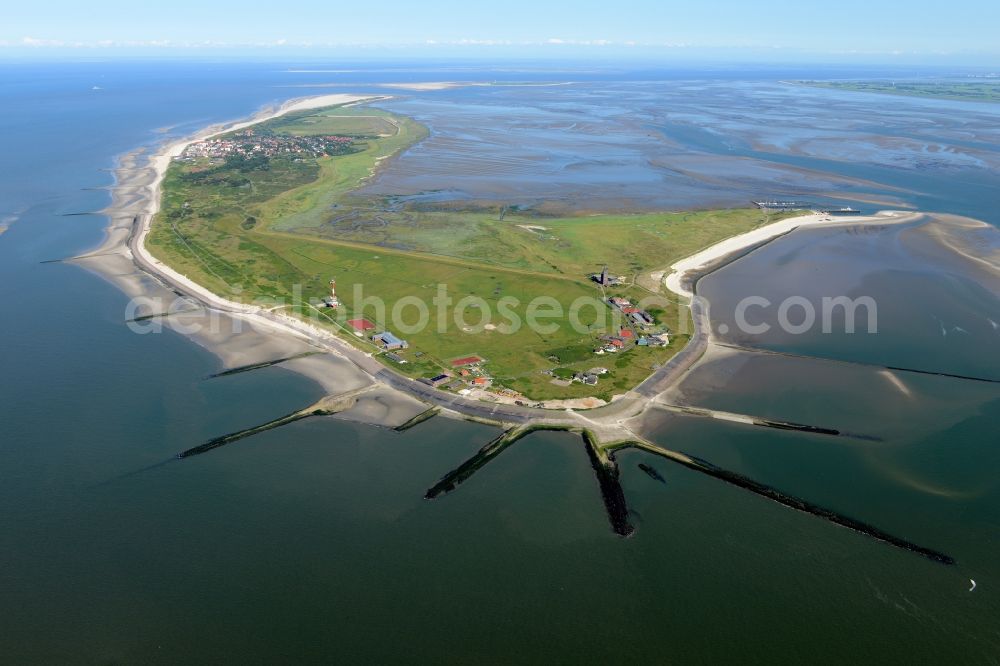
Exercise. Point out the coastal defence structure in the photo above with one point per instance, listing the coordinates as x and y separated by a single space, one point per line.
605 430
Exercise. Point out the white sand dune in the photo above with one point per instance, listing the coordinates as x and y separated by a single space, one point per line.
678 279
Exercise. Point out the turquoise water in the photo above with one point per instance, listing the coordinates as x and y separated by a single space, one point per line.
313 543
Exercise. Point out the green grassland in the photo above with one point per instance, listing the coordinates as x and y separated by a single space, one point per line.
571 246
339 121
961 90
308 206
260 232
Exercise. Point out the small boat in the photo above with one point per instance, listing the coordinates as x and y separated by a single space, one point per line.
652 473
973 585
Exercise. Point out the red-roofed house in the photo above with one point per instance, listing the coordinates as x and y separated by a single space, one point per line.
468 360
630 309
625 333
360 325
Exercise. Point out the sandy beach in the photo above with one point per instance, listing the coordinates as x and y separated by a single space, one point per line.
265 334
681 273
124 259
160 162
239 334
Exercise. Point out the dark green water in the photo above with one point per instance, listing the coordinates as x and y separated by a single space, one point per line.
312 543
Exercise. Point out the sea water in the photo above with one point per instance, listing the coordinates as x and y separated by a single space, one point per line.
312 542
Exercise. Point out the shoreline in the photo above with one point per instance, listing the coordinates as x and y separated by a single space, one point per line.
147 204
372 393
136 198
160 161
683 276
683 273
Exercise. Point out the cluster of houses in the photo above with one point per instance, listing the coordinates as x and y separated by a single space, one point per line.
615 343
248 144
635 316
642 321
590 376
467 373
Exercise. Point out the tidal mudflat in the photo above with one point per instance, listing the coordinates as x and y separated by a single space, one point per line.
315 537
932 291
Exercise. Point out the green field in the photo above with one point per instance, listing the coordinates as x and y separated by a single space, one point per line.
260 231
339 121
570 246
969 91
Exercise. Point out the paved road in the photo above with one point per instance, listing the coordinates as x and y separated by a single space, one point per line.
372 367
608 415
671 371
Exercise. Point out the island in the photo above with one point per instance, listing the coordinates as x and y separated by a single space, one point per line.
267 221
956 89
272 214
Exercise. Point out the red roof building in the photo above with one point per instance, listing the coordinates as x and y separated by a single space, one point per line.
625 333
360 325
468 360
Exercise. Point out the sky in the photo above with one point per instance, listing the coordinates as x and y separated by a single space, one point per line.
775 29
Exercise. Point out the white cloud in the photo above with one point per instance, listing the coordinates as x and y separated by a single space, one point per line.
555 41
481 42
33 42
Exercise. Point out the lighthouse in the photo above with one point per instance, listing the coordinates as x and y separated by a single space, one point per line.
332 301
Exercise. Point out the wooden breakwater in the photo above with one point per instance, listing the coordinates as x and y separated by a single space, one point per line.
324 407
460 474
263 364
785 499
604 466
607 472
763 422
425 415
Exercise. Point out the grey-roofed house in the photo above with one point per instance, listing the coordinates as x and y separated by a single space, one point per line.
387 340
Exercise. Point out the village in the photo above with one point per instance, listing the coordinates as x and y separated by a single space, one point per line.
248 144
